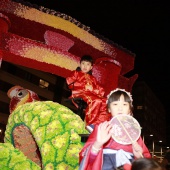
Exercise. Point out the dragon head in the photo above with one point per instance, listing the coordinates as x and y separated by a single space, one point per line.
19 96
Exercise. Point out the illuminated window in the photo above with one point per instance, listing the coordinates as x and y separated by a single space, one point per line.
43 84
139 107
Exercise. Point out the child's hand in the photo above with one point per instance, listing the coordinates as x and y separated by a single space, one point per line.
103 134
137 150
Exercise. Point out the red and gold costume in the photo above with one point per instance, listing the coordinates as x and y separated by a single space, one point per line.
96 110
98 162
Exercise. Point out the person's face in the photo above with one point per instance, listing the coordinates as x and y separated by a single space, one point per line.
119 107
85 66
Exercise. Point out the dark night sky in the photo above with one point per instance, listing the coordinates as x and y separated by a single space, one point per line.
141 26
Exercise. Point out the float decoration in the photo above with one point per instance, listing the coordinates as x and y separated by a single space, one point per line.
47 133
59 38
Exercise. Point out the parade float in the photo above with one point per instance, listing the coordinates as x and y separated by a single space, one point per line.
40 134
39 38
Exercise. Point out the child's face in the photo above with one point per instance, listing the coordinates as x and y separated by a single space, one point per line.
85 66
119 107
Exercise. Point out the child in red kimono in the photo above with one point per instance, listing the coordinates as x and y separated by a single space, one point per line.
84 85
101 151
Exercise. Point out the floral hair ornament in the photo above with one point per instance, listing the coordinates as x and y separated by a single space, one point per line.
118 89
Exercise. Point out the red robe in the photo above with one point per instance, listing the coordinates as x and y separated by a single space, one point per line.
96 110
111 144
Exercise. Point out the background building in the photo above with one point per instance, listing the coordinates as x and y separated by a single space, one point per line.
151 115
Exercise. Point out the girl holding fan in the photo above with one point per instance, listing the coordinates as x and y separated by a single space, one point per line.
102 151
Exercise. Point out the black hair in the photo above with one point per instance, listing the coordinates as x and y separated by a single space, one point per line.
145 164
115 96
87 58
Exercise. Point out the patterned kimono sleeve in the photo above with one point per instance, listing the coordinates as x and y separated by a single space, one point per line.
99 90
146 152
86 160
71 79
